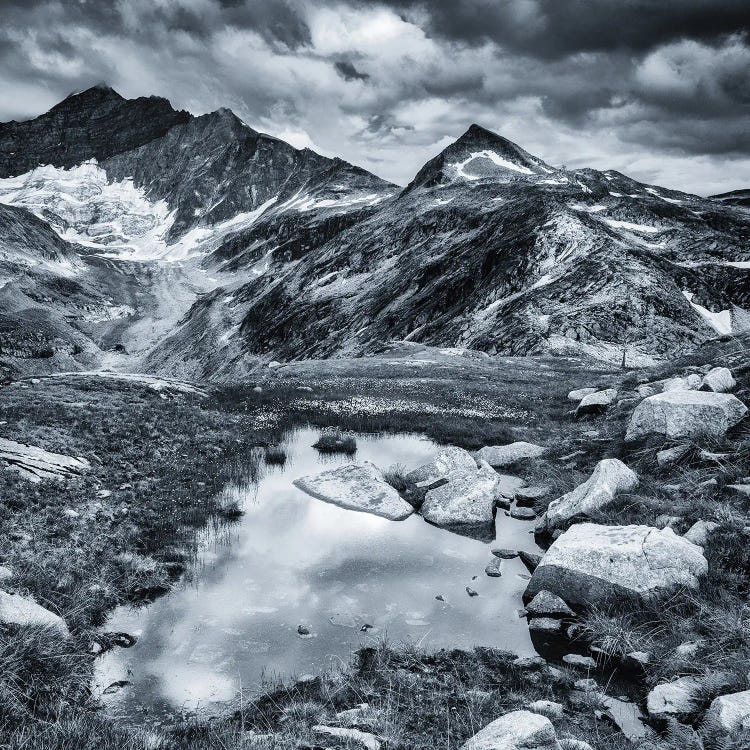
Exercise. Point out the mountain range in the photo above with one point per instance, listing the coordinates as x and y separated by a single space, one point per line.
138 237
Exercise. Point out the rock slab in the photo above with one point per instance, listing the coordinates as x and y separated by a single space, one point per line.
357 486
505 455
18 610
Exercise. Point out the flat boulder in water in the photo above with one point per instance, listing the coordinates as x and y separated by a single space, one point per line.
468 499
357 486
596 566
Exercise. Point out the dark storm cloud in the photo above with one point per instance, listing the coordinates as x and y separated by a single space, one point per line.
349 72
661 86
553 28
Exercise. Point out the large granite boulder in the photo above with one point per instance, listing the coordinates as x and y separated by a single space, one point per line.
731 712
685 414
357 486
580 393
609 478
517 730
448 461
468 499
19 610
505 455
595 566
718 380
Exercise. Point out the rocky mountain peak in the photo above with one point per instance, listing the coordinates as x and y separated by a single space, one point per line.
90 97
479 154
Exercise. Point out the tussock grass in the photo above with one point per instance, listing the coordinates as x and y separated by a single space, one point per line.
275 455
336 441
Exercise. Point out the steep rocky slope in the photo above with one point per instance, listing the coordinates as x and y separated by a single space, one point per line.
492 249
230 247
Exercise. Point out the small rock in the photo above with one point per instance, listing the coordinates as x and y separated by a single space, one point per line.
526 497
579 662
580 393
742 489
303 630
505 455
494 569
352 737
587 685
70 513
672 455
718 380
19 610
547 604
688 648
440 598
257 389
523 514
544 625
568 743
103 494
470 591
529 662
638 659
273 365
518 730
5 573
504 553
550 709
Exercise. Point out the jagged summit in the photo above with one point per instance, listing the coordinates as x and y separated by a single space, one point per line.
92 96
479 154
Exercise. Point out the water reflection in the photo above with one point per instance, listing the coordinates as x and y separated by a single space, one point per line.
350 578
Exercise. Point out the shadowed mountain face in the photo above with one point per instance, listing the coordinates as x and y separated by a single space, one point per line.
288 254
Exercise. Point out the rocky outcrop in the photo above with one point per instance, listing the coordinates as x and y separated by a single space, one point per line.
685 414
505 455
518 730
348 737
596 566
610 477
547 604
580 393
36 464
19 610
357 486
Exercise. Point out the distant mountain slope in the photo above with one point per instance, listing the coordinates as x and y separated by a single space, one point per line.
490 248
735 198
200 247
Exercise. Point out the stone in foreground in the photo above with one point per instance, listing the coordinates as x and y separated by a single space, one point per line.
505 455
35 464
518 730
609 478
699 532
685 414
731 712
596 566
357 486
18 610
448 461
673 699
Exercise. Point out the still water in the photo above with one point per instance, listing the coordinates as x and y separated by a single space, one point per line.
348 578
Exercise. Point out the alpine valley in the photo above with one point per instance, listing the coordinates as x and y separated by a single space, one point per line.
140 238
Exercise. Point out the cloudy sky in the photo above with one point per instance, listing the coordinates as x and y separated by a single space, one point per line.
658 89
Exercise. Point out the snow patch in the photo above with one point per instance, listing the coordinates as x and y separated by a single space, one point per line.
721 322
663 197
589 209
630 226
494 157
